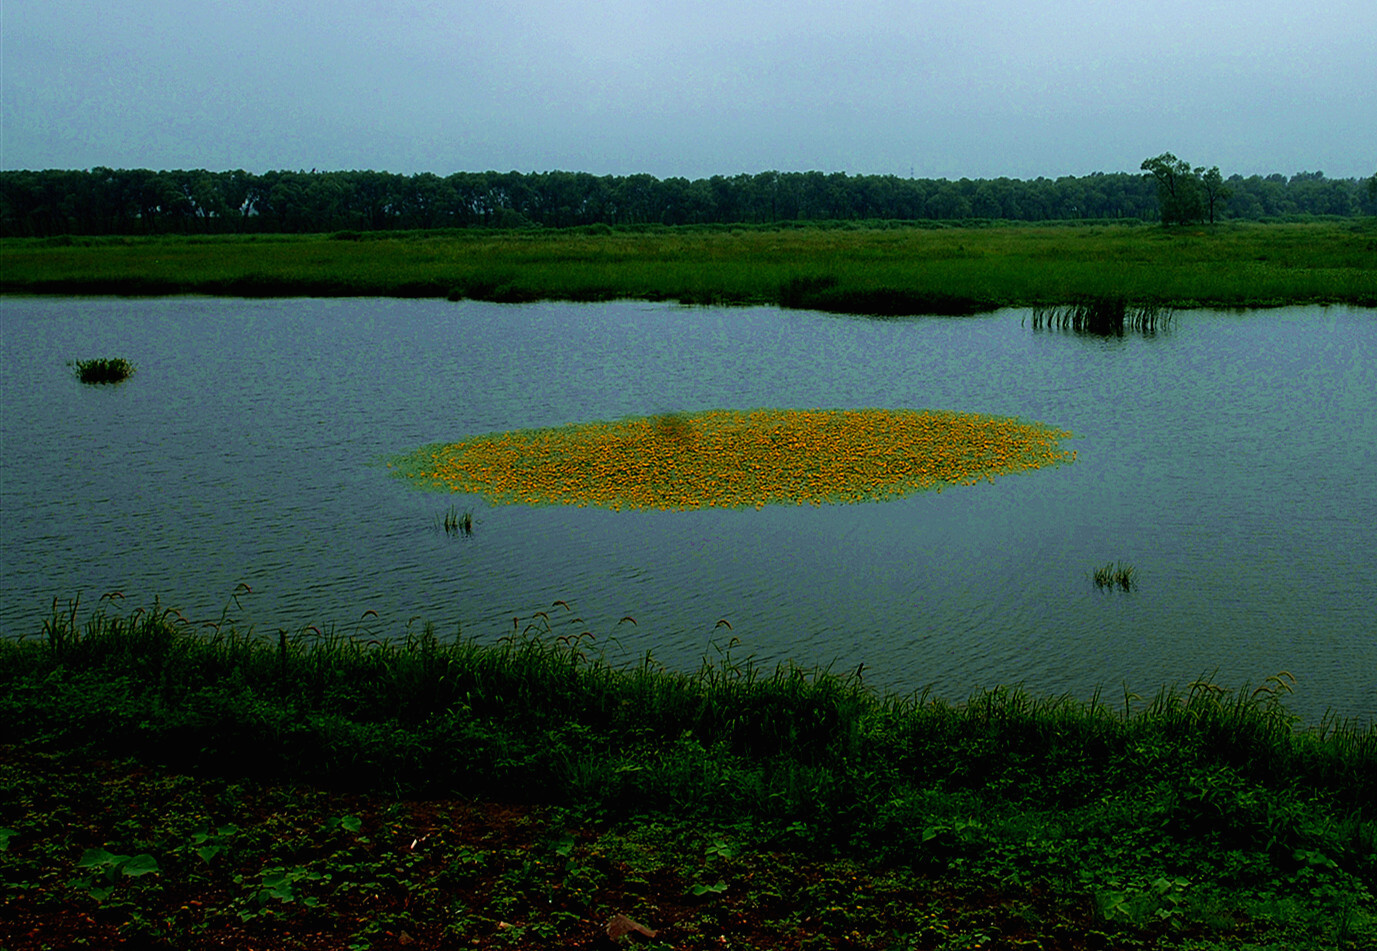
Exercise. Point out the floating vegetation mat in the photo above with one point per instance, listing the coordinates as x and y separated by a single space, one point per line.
732 459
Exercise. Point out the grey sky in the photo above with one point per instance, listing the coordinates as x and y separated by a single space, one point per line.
942 88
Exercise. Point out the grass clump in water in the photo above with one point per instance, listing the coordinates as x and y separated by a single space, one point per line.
729 458
455 522
103 370
1105 317
1125 577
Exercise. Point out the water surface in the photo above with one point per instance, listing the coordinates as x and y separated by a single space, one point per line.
1232 461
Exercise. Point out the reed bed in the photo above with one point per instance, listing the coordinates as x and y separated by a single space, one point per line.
550 674
735 459
1104 316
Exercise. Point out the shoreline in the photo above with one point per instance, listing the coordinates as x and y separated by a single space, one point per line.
271 776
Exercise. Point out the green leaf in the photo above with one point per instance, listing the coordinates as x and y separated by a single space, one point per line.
208 852
351 823
282 891
5 836
99 858
144 864
698 889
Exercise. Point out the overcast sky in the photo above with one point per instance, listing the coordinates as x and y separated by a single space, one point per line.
693 88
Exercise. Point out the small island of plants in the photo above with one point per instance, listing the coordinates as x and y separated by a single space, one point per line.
735 459
103 370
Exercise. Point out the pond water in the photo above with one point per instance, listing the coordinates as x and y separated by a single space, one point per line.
1231 460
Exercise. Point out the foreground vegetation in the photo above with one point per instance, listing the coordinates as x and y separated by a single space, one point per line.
196 785
880 268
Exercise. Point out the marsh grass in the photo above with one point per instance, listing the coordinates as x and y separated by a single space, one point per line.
1104 317
551 669
103 370
454 522
1115 574
1096 799
874 268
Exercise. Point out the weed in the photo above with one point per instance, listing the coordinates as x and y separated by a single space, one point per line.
455 522
1113 574
210 842
104 870
103 370
1104 316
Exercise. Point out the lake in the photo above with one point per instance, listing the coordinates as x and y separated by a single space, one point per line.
1231 460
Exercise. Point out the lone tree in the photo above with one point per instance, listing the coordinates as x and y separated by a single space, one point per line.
1213 188
1181 192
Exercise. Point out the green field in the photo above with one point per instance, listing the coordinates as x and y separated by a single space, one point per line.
877 269
189 786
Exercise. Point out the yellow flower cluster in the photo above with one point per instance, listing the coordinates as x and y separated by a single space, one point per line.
730 458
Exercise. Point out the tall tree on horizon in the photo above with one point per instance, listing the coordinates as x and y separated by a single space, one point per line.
1214 190
1179 189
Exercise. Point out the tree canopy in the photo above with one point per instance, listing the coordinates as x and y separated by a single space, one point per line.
140 201
1187 195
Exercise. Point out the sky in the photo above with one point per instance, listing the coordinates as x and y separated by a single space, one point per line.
691 88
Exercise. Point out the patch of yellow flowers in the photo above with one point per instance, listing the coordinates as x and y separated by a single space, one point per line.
734 458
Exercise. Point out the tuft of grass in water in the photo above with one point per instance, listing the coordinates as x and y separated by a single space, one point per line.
455 522
103 370
1104 316
1125 577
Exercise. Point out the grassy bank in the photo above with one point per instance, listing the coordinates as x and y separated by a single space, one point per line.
520 791
870 270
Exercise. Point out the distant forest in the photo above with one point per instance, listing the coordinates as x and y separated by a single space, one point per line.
105 201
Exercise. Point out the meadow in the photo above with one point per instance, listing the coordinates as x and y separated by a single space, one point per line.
176 784
881 268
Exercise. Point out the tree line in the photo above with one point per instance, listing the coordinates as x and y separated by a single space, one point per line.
105 201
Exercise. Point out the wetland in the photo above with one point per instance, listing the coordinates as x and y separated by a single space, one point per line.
1228 459
256 689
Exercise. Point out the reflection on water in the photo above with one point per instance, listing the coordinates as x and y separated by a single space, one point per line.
1230 461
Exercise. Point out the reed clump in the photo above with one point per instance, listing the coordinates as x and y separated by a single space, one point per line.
1104 317
455 522
103 370
1115 574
